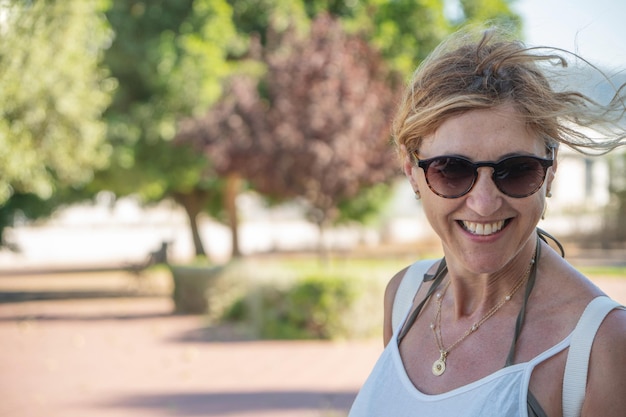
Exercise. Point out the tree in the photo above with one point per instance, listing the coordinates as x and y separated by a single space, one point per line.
493 11
264 21
319 129
231 136
330 98
616 211
406 31
186 50
170 58
51 101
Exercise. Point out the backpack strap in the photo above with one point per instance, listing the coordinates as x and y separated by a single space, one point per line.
411 281
576 367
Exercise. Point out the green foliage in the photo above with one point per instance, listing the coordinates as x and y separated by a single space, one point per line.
52 95
366 205
340 8
18 208
53 92
25 207
406 31
165 61
194 62
317 305
171 58
314 307
255 17
493 11
178 52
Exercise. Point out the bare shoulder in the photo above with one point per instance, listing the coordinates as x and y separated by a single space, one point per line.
390 295
561 295
392 287
563 291
606 384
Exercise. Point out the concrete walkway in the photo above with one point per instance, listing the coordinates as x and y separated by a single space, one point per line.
128 357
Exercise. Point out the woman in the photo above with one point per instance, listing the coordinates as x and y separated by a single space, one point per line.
489 329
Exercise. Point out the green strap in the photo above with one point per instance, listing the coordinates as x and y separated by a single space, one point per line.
533 406
543 235
522 313
437 278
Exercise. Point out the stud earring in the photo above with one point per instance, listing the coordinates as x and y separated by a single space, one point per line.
417 195
549 194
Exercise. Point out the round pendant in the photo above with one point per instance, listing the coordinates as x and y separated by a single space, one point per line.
439 367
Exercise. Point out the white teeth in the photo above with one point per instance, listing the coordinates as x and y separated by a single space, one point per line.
483 229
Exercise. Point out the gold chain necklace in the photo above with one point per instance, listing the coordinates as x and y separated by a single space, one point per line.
439 366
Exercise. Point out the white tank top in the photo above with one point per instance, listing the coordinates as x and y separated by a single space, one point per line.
388 391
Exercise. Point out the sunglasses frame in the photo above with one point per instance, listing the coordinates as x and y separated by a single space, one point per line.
545 163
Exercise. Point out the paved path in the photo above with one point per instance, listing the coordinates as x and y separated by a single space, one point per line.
129 357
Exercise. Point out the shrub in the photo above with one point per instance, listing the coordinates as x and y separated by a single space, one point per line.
316 306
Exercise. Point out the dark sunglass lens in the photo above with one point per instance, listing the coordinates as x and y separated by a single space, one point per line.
450 177
519 176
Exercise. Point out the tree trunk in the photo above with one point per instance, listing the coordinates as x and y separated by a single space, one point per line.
323 218
233 185
322 248
195 234
620 224
193 204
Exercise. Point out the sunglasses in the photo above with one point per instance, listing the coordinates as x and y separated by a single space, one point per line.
515 176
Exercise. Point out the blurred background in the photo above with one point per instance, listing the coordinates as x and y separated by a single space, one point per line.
219 171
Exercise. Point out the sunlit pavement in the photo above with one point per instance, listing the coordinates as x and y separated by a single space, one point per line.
130 357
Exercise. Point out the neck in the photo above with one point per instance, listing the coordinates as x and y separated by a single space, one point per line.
473 295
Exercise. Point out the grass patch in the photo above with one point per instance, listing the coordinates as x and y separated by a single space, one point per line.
604 271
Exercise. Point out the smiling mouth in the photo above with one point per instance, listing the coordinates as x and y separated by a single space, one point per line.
483 229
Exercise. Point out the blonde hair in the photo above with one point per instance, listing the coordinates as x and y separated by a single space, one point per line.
478 70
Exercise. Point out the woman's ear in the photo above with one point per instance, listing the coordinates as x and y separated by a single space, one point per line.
551 174
408 166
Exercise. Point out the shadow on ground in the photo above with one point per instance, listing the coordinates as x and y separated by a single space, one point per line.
214 404
60 317
218 332
24 296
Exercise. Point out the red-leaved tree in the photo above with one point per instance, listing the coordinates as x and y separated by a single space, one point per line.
331 100
316 127
230 135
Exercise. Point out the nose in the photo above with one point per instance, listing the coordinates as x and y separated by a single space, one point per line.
484 198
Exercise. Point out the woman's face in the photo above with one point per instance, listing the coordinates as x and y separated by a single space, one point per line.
484 229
